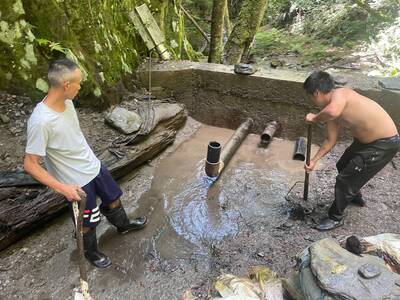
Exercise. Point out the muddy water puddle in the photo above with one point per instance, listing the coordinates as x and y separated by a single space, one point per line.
187 213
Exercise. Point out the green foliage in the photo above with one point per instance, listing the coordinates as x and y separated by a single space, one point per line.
340 22
98 35
201 12
280 42
53 46
271 40
201 8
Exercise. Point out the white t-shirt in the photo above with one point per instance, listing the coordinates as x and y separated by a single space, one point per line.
59 138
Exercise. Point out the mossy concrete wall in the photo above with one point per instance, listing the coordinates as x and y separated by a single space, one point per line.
215 95
97 34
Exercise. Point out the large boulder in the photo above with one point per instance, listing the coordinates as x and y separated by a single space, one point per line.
344 275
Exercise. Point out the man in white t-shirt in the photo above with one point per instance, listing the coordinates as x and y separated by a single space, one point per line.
71 166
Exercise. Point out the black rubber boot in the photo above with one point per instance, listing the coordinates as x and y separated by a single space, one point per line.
358 201
92 254
329 224
117 216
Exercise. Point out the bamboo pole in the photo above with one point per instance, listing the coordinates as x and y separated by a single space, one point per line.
195 23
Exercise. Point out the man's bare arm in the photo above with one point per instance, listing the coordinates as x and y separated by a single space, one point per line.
333 132
332 111
330 141
33 167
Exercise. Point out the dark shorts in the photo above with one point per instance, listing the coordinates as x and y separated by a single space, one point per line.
104 186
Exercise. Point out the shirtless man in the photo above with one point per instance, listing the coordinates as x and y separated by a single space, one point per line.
376 140
71 166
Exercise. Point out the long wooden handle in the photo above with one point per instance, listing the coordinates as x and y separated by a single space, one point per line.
308 155
78 214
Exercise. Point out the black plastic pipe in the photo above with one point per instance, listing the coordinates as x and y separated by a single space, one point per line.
213 152
213 159
300 149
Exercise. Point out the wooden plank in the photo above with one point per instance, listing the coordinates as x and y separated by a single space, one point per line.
147 26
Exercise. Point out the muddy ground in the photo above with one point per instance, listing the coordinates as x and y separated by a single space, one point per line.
195 232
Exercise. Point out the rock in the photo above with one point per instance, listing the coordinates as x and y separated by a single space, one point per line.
307 280
388 247
375 73
124 120
252 59
336 271
368 271
391 83
4 119
159 92
341 80
260 254
245 69
188 295
292 286
15 130
276 63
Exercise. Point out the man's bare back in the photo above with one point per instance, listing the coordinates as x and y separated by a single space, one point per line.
367 120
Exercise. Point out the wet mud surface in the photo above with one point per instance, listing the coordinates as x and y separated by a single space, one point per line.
197 230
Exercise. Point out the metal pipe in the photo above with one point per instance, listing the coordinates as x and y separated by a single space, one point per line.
307 176
269 132
300 149
213 159
230 147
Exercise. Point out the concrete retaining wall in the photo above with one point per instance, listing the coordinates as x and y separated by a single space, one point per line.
215 95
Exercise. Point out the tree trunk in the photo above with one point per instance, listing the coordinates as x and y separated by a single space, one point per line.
217 28
227 20
247 24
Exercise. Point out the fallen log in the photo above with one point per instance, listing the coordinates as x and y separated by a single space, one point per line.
16 178
25 211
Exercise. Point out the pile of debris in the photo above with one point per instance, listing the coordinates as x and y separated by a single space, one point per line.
351 268
261 283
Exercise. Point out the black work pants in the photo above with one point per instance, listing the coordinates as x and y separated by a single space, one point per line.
358 164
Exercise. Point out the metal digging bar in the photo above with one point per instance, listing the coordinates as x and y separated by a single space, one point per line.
229 149
307 176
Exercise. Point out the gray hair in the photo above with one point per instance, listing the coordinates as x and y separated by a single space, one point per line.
61 70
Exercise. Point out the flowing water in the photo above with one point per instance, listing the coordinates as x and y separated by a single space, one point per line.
187 212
